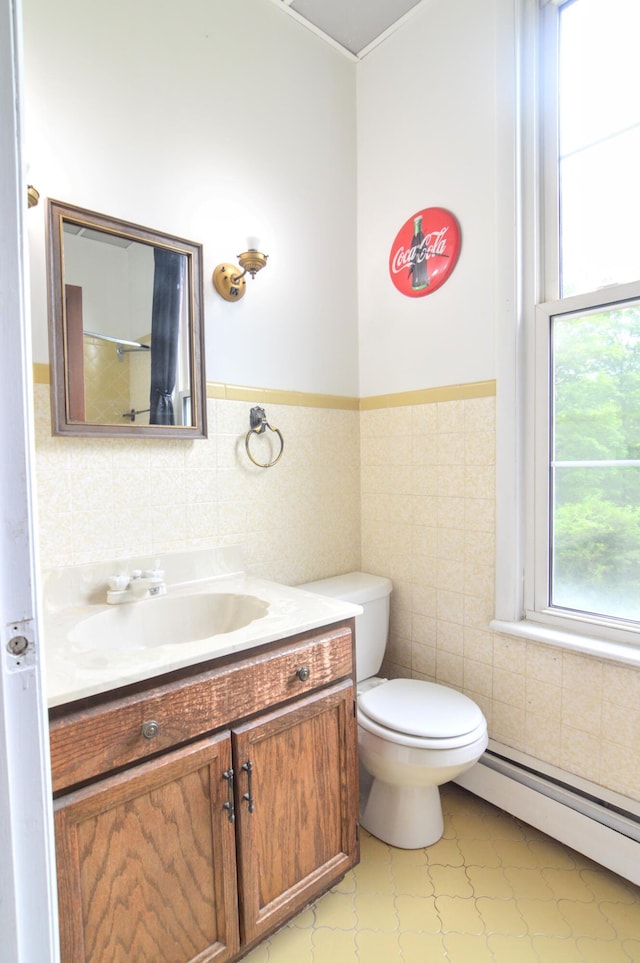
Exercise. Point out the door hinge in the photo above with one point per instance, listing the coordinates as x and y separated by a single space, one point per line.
19 645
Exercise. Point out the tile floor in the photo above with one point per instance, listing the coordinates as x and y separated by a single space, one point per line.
492 890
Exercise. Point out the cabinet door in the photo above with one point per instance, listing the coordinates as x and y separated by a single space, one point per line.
296 784
146 862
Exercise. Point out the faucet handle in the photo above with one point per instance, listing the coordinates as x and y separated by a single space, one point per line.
154 573
118 583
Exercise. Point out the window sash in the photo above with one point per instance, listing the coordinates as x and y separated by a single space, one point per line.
549 136
521 604
538 607
541 301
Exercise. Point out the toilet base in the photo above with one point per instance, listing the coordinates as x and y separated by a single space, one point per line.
408 817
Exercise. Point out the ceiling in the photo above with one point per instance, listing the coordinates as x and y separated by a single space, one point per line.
354 25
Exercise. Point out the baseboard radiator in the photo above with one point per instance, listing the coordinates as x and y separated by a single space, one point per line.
601 825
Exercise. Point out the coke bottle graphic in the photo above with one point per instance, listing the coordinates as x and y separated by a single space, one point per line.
418 269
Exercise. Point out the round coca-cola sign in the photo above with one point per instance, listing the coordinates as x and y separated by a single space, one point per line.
425 252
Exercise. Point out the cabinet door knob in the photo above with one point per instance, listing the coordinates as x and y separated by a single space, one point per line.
150 729
303 673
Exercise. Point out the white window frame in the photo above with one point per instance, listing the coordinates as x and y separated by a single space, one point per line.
523 397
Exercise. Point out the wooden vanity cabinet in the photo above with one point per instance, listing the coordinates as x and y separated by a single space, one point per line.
146 862
199 851
297 829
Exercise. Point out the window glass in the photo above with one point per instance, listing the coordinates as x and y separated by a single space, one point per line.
599 144
595 462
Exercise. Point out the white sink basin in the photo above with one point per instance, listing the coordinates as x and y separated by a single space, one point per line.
94 648
168 620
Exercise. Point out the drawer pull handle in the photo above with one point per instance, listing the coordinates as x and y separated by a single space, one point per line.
228 774
303 673
150 729
248 768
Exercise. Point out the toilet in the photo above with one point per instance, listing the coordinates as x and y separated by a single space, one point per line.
413 735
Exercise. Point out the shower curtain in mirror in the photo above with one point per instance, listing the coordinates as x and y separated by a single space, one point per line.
168 280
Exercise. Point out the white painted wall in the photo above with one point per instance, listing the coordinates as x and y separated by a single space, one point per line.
210 119
428 122
226 118
117 285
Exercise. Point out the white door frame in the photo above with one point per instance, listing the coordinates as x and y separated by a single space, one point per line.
28 920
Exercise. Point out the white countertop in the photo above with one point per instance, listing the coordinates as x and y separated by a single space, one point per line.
73 671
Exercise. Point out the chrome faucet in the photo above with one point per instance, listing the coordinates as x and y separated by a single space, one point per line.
138 585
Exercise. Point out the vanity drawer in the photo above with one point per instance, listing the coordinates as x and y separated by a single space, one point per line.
86 743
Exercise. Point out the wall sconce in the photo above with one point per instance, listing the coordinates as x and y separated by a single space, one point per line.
229 280
33 196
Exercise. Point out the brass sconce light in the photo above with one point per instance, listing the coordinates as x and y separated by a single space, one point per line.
230 281
33 196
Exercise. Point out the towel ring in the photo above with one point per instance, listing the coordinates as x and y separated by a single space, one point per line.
258 422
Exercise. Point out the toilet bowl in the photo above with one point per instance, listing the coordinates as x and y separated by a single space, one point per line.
413 735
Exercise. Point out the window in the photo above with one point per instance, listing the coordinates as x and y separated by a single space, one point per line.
598 143
584 570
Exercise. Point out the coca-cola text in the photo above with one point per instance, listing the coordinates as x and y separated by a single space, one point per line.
404 257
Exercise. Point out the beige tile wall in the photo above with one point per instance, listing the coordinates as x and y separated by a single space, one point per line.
106 498
406 490
106 381
428 522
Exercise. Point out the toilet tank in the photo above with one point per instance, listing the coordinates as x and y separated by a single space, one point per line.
373 593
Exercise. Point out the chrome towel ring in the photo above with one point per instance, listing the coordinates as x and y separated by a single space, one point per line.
258 422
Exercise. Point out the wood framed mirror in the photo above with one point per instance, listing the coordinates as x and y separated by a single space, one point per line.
126 328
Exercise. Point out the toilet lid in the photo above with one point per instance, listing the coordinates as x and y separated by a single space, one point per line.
420 708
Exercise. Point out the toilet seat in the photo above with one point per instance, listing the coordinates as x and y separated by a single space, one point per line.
420 714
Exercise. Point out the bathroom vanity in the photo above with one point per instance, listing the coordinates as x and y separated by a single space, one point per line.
196 814
200 804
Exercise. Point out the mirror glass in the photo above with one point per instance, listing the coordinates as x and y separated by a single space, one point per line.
126 328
